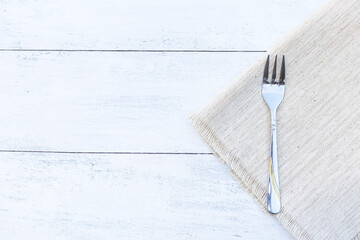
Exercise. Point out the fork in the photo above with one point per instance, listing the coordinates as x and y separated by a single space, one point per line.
273 93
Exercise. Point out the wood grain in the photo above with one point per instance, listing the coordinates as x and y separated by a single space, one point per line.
74 196
138 24
129 102
102 93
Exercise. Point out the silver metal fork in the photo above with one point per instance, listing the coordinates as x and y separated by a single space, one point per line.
273 93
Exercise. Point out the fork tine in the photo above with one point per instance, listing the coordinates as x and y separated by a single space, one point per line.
274 71
266 70
282 71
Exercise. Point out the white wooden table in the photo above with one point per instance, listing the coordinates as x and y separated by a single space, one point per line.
94 99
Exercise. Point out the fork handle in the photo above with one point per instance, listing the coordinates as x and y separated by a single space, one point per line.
273 194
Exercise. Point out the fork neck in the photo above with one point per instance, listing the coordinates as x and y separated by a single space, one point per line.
273 117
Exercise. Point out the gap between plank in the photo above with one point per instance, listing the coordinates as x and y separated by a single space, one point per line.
133 50
115 153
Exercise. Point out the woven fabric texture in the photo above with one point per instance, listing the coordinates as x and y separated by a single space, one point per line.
318 126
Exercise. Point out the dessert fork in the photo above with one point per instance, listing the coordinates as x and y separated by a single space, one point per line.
273 93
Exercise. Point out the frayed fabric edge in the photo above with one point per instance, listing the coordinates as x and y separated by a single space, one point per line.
243 177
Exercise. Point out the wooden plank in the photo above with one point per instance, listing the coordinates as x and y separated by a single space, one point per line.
74 196
127 102
138 24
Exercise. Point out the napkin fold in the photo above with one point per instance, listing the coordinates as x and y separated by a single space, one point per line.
318 126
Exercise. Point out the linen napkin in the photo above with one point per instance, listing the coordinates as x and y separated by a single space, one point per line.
318 126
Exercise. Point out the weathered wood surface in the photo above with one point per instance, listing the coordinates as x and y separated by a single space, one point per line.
88 100
87 196
113 102
139 24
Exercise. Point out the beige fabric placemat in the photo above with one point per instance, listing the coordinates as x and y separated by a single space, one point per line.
318 126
